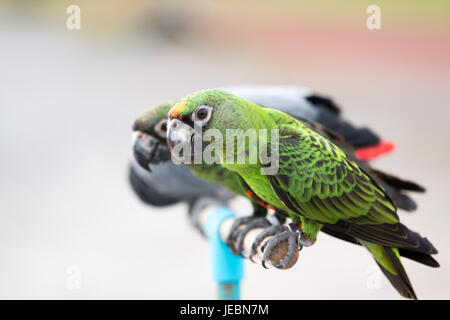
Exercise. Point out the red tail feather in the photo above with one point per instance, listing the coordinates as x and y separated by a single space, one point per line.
376 150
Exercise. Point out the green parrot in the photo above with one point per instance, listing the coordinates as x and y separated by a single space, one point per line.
316 183
150 149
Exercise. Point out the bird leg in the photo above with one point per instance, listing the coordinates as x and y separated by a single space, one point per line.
309 230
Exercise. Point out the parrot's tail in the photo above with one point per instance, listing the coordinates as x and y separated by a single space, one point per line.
395 187
388 259
398 183
374 151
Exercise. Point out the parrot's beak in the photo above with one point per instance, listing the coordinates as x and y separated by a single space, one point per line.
148 150
180 139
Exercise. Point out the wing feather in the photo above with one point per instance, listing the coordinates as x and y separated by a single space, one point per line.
318 181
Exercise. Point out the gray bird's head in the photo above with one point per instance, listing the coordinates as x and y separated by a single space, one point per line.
149 136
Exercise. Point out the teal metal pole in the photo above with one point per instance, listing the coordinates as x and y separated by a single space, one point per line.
227 268
229 291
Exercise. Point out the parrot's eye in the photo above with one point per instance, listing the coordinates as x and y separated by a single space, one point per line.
161 128
202 114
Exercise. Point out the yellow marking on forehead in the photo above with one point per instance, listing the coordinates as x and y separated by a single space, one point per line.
175 111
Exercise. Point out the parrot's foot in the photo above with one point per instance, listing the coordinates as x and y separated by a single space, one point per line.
279 234
240 228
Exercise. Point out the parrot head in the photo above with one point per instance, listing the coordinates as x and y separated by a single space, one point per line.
149 136
200 111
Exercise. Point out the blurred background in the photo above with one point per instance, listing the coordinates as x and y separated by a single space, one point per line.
70 225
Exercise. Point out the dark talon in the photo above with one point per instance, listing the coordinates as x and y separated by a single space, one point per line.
263 263
263 247
250 257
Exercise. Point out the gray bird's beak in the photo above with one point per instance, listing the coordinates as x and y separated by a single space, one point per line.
180 138
148 150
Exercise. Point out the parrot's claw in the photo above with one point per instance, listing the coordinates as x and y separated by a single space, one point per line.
270 231
239 230
294 245
254 224
234 227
